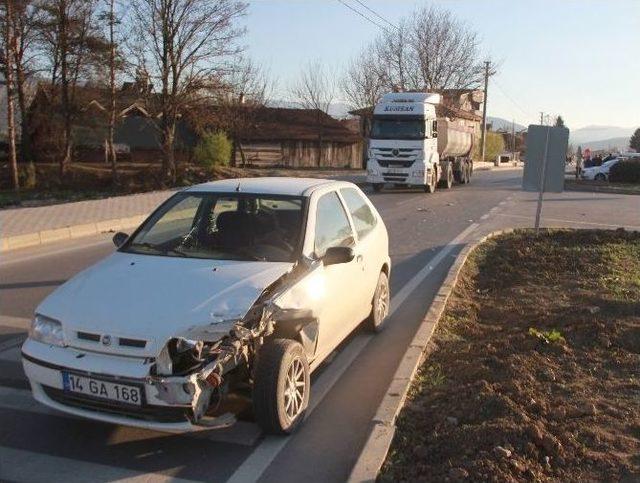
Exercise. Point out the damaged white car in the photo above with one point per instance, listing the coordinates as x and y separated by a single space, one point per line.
221 303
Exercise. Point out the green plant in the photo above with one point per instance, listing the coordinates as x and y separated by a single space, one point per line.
627 171
494 146
214 149
547 337
433 376
27 175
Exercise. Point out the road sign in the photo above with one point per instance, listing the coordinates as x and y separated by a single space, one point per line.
546 158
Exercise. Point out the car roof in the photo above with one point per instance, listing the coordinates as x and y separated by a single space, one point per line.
267 185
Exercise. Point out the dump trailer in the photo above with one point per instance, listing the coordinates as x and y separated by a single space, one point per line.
410 146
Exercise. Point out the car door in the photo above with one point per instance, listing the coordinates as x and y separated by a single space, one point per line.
339 305
368 248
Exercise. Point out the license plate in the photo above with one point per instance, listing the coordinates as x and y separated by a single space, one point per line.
122 393
395 171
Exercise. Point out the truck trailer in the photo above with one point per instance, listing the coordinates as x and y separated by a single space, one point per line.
410 146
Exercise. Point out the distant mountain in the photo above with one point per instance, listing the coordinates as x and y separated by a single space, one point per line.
621 144
499 124
591 134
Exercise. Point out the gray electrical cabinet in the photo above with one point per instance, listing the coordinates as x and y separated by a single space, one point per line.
555 141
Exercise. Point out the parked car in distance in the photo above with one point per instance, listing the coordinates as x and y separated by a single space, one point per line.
599 173
228 296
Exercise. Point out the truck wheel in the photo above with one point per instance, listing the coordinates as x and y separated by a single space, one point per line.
281 386
379 304
447 182
377 187
467 174
430 187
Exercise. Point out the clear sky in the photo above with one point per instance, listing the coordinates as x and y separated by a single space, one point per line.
577 58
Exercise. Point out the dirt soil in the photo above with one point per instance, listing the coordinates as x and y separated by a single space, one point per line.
532 373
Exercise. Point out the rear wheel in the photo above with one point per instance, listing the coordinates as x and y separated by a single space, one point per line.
447 182
377 187
379 304
467 174
600 177
281 387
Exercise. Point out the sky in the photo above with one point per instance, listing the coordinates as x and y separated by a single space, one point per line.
576 58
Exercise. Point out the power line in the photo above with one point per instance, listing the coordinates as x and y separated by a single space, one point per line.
364 16
504 93
377 14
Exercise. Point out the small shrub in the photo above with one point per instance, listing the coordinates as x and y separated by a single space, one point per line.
27 175
214 149
627 171
547 337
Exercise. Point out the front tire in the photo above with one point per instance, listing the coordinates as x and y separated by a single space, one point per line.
430 187
379 304
600 177
447 182
281 386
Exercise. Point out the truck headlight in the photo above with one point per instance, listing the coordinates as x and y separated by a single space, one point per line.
46 330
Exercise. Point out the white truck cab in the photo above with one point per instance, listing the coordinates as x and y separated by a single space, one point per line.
404 148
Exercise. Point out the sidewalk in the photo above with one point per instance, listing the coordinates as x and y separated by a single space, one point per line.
29 226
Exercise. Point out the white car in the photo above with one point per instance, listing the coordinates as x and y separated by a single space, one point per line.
229 295
599 173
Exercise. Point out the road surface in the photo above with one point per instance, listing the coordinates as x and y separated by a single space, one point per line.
37 444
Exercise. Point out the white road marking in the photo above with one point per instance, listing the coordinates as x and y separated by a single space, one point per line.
19 465
264 454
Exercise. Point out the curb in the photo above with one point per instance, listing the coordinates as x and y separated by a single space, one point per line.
381 435
69 232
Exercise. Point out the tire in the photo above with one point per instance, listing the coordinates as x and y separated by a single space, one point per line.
467 173
379 304
431 186
600 177
275 410
377 187
447 182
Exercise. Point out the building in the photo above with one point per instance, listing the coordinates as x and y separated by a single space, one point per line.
297 138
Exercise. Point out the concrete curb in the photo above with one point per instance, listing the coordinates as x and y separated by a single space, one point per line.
383 428
69 232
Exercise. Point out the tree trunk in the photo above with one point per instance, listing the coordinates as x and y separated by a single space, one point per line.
25 139
168 156
9 57
112 96
64 79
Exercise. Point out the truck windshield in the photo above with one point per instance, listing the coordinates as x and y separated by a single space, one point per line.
398 129
233 226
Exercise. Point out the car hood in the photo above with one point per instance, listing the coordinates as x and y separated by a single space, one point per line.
154 298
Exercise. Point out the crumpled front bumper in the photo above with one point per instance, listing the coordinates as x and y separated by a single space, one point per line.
43 365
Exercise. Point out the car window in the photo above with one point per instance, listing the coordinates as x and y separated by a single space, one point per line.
332 225
363 218
176 222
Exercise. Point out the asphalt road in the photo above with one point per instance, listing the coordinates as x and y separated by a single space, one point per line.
37 444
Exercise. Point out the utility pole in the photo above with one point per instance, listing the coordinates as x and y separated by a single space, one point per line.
513 140
483 134
541 118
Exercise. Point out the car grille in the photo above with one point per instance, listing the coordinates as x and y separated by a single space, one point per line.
121 341
160 414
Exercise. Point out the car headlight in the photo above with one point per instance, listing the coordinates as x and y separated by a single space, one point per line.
46 330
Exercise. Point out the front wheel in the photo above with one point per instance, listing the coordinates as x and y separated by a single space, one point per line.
430 187
447 182
600 177
281 386
379 304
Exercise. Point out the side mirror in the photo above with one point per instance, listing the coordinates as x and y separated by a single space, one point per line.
119 238
335 255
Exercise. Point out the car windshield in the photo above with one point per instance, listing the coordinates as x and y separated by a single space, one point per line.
610 162
223 226
397 128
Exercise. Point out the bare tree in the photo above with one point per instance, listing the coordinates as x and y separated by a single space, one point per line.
72 45
250 86
315 89
431 50
183 45
8 55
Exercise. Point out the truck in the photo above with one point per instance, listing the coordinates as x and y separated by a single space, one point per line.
410 146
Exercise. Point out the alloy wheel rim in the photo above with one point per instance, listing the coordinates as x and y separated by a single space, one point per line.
295 388
382 304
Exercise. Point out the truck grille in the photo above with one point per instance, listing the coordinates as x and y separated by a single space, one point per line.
160 414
